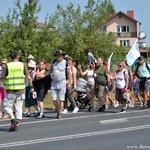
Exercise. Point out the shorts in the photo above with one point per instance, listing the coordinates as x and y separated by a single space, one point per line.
147 86
41 94
58 90
100 91
2 93
136 92
144 86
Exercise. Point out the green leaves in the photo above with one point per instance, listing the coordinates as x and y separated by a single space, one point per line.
69 29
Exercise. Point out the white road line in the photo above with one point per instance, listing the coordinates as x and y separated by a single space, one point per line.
114 121
74 136
79 117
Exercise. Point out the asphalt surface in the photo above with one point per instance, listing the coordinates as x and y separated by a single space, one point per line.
109 130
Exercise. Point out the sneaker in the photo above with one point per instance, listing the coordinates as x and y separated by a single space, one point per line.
116 104
102 109
125 106
24 113
123 110
40 116
144 107
91 109
65 111
36 114
148 103
14 125
131 106
59 116
76 109
27 115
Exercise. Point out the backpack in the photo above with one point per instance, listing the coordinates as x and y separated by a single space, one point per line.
147 67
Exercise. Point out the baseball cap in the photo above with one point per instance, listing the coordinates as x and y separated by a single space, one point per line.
140 58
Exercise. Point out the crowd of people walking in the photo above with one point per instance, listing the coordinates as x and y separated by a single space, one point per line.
28 83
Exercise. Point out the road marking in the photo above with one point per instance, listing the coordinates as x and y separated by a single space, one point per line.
114 121
74 136
78 117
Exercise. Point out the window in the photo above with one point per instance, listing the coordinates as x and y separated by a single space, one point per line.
125 43
122 29
103 29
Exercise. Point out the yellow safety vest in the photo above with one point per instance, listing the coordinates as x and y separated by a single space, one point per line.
15 79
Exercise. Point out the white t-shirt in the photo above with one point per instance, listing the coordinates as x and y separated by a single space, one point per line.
90 76
120 79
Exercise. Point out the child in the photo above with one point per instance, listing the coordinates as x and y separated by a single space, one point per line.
135 86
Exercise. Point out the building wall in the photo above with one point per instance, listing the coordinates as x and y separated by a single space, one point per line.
122 20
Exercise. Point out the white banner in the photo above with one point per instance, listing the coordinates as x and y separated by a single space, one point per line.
133 54
109 61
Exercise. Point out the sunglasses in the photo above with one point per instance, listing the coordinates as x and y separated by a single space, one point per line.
58 55
140 59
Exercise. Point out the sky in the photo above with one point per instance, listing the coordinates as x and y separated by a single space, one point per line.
141 10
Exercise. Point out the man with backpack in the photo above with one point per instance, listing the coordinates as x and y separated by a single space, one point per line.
143 73
60 78
101 82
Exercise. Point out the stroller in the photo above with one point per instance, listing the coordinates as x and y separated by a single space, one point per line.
81 97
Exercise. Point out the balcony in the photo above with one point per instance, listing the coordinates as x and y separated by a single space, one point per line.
125 34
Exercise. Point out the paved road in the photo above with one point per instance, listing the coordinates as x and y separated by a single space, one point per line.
110 130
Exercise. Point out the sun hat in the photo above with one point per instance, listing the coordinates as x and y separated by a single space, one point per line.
30 57
31 63
4 61
68 57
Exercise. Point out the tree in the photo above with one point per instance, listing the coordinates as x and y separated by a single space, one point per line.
7 30
80 30
70 29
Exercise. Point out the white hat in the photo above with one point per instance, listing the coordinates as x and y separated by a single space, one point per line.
30 57
31 63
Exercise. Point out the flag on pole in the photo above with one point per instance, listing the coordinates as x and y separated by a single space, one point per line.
109 61
133 54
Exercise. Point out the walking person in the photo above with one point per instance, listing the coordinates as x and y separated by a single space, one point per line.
143 73
109 89
102 80
135 86
89 73
14 75
70 90
121 85
30 98
42 85
59 71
